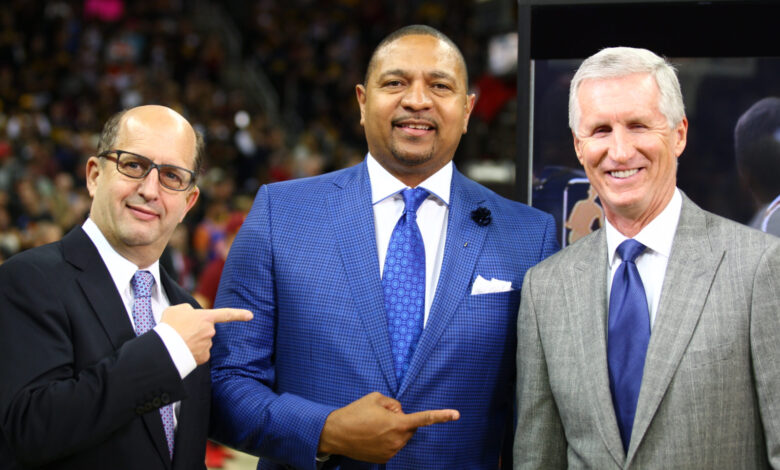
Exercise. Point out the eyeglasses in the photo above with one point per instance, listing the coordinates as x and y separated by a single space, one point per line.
137 167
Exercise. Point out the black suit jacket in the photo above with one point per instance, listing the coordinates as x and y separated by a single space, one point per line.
78 389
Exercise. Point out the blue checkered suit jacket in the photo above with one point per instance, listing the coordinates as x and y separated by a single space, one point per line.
305 262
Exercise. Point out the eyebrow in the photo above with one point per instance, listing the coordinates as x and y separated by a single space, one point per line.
402 73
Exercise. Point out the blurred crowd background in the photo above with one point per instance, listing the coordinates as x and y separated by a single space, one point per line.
270 84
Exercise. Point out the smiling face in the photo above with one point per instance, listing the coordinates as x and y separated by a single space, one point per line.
627 149
138 216
414 106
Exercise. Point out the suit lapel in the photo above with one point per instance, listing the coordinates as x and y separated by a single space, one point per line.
353 222
462 248
98 287
586 302
100 291
689 276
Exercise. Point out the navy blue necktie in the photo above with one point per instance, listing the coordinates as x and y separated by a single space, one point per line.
629 334
403 283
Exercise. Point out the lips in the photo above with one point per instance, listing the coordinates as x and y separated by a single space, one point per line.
414 126
142 213
621 174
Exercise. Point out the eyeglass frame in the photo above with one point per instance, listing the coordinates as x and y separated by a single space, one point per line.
152 165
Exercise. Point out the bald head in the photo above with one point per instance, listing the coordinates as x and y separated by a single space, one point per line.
121 125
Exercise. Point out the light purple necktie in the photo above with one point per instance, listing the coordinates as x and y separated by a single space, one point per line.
143 318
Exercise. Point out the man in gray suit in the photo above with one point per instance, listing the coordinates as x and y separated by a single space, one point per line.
665 359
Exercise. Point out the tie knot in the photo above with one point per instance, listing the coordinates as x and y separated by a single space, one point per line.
413 197
630 249
142 283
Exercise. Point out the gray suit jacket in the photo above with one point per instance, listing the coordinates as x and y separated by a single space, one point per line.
710 395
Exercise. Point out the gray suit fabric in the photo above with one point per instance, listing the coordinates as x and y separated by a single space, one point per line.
710 394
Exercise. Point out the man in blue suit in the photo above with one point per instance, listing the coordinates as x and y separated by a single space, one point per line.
330 373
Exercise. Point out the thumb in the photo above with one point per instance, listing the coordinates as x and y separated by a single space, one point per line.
388 403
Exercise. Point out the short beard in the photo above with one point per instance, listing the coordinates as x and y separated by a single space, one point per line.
409 160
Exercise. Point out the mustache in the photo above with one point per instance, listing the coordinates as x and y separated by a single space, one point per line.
418 119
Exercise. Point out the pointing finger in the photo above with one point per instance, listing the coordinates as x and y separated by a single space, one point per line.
223 315
429 417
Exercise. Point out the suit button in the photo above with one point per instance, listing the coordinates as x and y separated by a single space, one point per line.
165 398
156 402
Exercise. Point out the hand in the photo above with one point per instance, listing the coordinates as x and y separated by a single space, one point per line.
196 326
374 428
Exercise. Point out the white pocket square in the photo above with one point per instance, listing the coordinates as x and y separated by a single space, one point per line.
483 286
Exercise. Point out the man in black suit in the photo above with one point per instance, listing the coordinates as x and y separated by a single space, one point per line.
103 358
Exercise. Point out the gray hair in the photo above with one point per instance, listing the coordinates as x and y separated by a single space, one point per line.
615 62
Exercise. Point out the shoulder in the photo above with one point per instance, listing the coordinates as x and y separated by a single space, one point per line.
315 185
728 235
589 249
43 258
501 208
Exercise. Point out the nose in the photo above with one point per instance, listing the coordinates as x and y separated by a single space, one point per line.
622 146
417 96
149 186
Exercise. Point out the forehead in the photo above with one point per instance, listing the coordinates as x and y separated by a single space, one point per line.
633 94
418 53
159 138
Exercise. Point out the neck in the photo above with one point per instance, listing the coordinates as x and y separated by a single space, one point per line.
630 224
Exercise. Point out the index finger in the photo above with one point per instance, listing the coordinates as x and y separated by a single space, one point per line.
429 417
223 315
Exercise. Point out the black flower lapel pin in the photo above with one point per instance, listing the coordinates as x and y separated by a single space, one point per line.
481 215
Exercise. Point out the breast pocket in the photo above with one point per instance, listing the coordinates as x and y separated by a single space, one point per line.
698 358
487 319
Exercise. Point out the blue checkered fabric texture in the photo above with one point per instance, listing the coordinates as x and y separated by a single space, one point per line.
305 263
143 318
403 282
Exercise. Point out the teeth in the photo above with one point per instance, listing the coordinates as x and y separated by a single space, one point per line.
623 173
417 126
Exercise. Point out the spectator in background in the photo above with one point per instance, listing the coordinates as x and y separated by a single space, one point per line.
208 282
757 149
205 293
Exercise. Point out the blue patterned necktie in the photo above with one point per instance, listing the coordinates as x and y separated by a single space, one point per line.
403 283
143 318
629 334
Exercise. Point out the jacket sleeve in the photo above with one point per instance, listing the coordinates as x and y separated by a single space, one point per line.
53 404
540 442
247 413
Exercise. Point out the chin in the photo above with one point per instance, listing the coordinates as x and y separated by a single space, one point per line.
412 158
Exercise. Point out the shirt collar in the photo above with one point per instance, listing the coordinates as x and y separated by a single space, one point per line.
657 236
120 268
385 185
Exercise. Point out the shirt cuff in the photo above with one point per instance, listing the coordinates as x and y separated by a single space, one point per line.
177 349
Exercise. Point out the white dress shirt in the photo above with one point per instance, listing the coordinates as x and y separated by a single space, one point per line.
122 271
657 236
431 218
